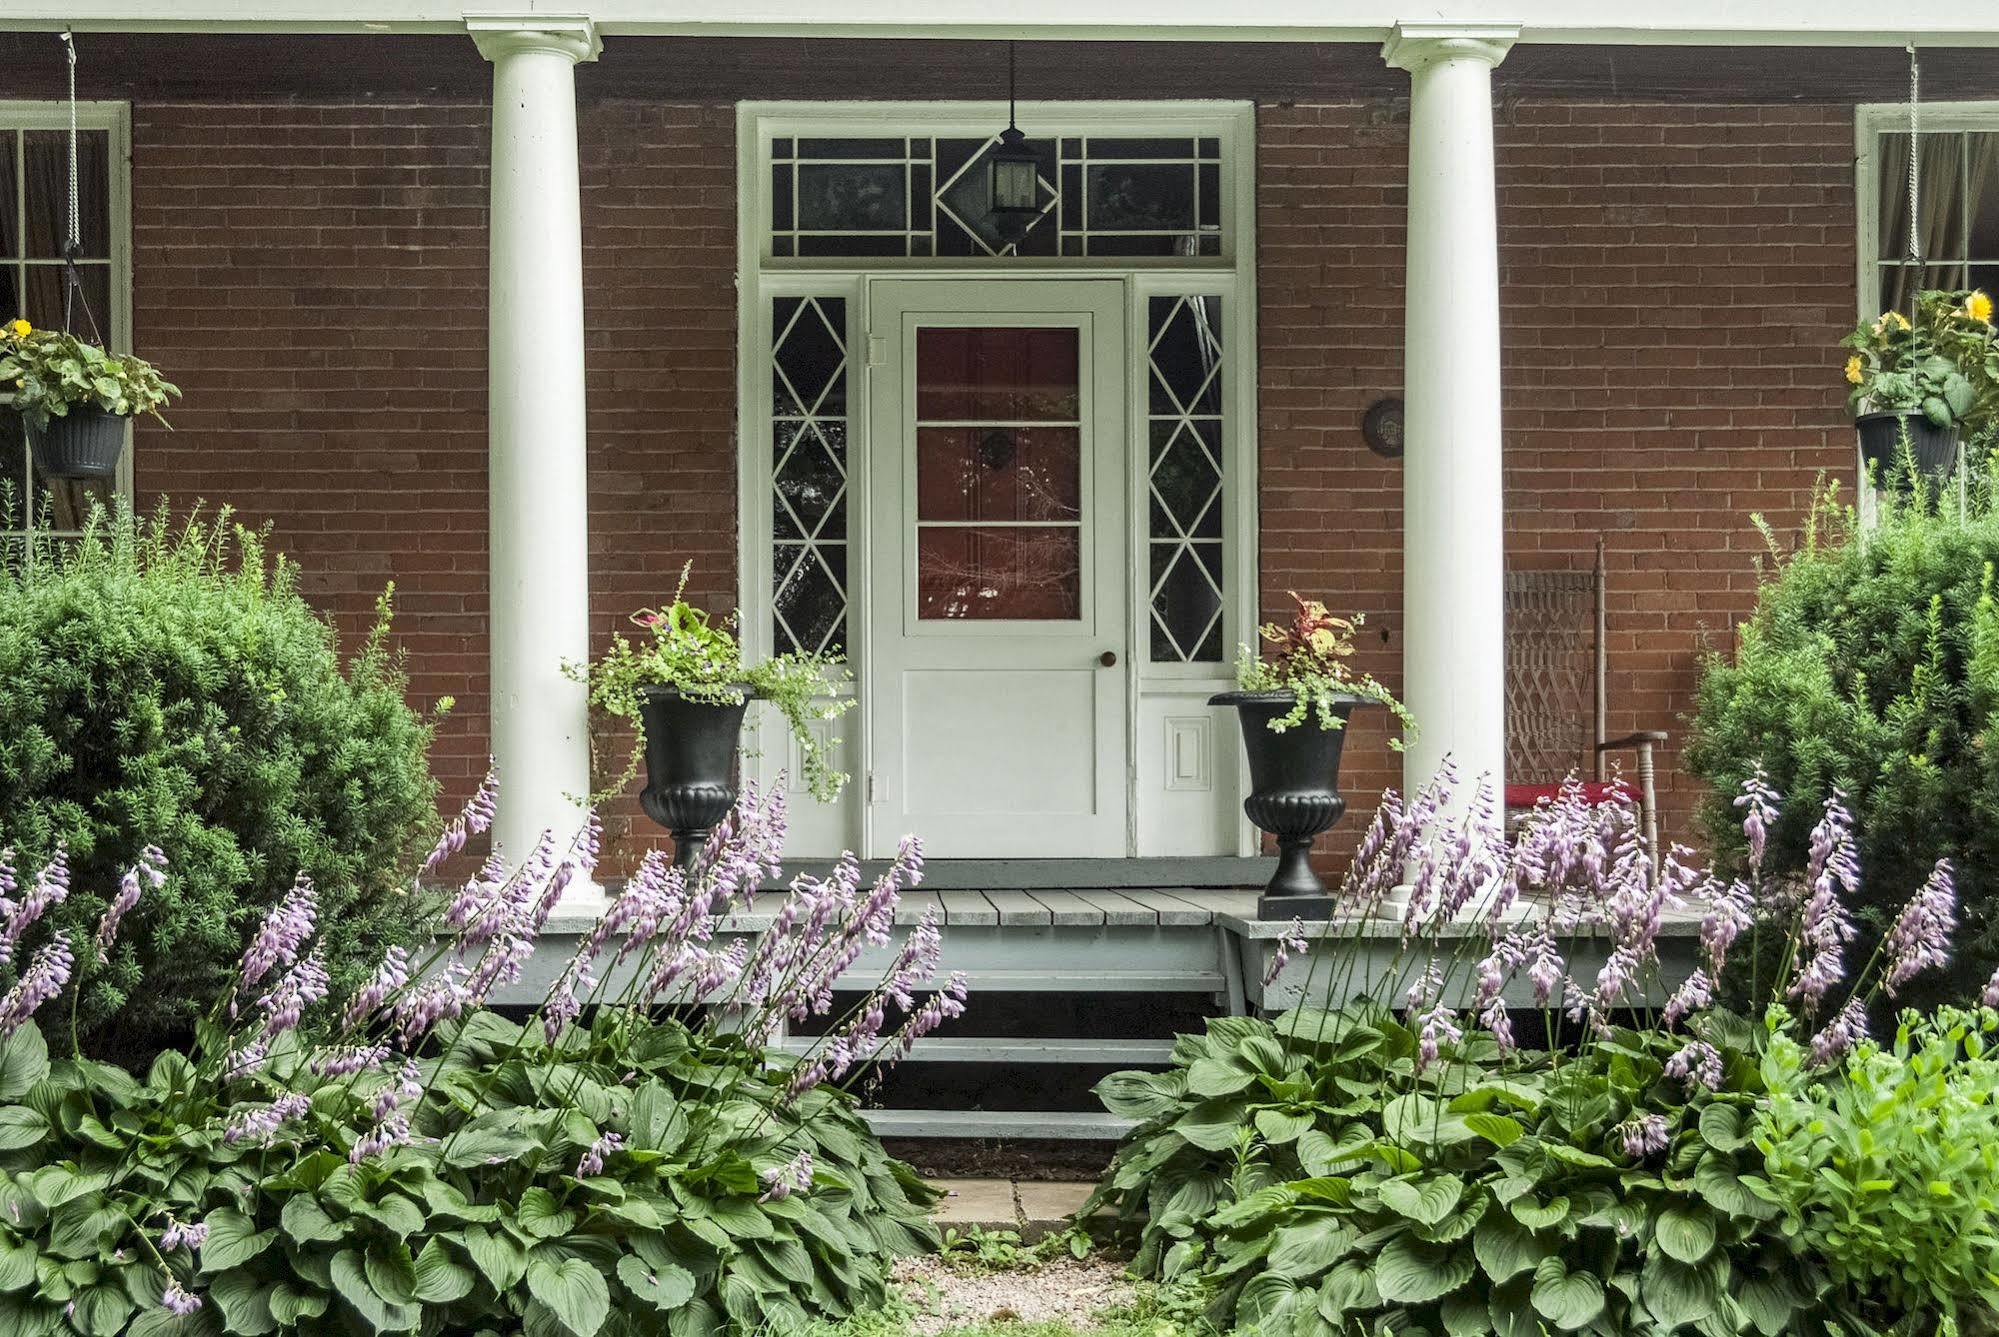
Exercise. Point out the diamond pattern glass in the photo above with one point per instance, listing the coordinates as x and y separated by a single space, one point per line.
1187 480
809 474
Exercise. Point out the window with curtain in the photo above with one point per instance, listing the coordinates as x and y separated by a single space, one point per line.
1956 216
34 206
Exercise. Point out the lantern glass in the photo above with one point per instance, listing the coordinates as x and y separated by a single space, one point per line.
1014 181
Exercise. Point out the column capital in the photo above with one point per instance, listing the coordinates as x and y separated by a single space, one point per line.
571 35
1414 46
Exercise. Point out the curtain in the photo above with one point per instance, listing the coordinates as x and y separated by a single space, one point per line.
1940 213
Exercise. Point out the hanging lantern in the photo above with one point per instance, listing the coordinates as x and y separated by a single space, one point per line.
1013 173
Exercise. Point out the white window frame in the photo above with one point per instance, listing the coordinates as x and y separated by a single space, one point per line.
115 119
1230 275
1871 121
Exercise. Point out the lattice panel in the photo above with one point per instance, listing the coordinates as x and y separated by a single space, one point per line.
1551 673
1186 479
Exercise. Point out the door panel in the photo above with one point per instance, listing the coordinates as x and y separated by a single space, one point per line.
997 577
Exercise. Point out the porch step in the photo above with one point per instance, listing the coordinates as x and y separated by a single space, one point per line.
1031 1049
1007 1124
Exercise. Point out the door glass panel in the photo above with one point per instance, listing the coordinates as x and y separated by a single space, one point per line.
967 573
999 474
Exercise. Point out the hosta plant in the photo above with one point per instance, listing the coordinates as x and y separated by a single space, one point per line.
1407 1166
613 1164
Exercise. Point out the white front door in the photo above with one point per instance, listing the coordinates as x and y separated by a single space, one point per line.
997 656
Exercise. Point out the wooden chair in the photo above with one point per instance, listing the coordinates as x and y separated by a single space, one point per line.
1555 708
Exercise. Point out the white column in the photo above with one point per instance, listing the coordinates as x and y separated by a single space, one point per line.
539 555
1454 646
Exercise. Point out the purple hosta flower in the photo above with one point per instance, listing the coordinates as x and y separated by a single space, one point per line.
47 973
393 1131
299 988
152 867
1425 988
564 1005
1695 994
1362 875
794 1176
1759 803
1698 1063
1499 1022
592 1161
500 967
1290 943
437 998
1546 970
1727 917
1921 936
392 974
405 1086
480 890
1439 1025
1847 1029
177 1301
260 1123
745 847
349 1059
281 935
182 1234
940 1007
1644 1135
240 1063
1990 998
51 888
1620 971
1833 867
916 964
1825 928
475 819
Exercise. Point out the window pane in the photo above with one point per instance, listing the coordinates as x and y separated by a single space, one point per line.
1031 573
10 241
1141 197
48 192
809 473
1185 458
1186 603
998 473
13 471
835 197
809 610
88 318
1940 197
1900 283
997 375
64 505
1982 175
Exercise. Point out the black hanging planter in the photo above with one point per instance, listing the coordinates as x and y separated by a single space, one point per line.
1294 779
1934 447
690 764
83 445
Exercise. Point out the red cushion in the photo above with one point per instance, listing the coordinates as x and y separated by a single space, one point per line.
1594 792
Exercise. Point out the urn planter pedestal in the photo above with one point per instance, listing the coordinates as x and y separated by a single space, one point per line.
1294 794
691 749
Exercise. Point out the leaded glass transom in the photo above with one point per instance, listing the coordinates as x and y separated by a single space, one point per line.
1186 476
808 377
910 196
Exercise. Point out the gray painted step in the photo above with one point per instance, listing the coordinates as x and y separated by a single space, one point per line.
959 1049
998 1124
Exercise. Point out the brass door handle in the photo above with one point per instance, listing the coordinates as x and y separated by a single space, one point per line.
1108 659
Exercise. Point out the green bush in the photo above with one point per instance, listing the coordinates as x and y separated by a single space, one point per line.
1871 663
167 684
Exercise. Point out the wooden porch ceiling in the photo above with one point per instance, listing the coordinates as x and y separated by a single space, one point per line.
186 67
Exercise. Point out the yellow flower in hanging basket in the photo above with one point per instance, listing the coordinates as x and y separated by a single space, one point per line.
1979 307
21 329
1890 320
1853 369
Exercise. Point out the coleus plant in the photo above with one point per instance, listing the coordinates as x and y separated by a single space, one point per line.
1416 1170
1308 660
609 1165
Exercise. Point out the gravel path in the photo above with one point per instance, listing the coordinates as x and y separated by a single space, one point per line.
1062 1290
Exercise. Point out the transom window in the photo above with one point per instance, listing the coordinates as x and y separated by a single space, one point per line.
34 203
1957 202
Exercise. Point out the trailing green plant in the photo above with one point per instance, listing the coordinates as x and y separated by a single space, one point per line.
52 372
686 652
1871 665
1890 1174
1352 1170
1310 663
1943 363
610 1165
165 683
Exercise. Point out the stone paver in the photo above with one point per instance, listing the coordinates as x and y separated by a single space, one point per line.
986 1203
1046 1207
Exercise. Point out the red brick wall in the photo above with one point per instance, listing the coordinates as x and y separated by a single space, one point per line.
314 277
1674 279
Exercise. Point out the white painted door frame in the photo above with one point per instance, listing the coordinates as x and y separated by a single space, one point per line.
998 738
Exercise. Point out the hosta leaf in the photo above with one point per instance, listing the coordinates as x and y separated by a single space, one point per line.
1264 1296
1410 1271
1769 1297
665 1287
540 1215
291 1302
1685 1231
1427 1201
1569 1300
1348 1287
1212 1124
1725 1127
1209 1077
1466 1315
1505 1248
500 1258
1717 1180
1307 1249
573 1291
1502 1130
245 1303
395 1213
24 1060
20 1126
1535 1215
440 1279
1676 1293
390 1270
101 1311
306 1222
487 1146
233 1239
1140 1095
1321 1154
17 1266
350 1283
1281 1126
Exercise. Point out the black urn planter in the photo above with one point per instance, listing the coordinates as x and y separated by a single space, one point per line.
84 445
1294 780
1934 447
691 751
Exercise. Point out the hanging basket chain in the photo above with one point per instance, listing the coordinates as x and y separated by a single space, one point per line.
73 293
1915 154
